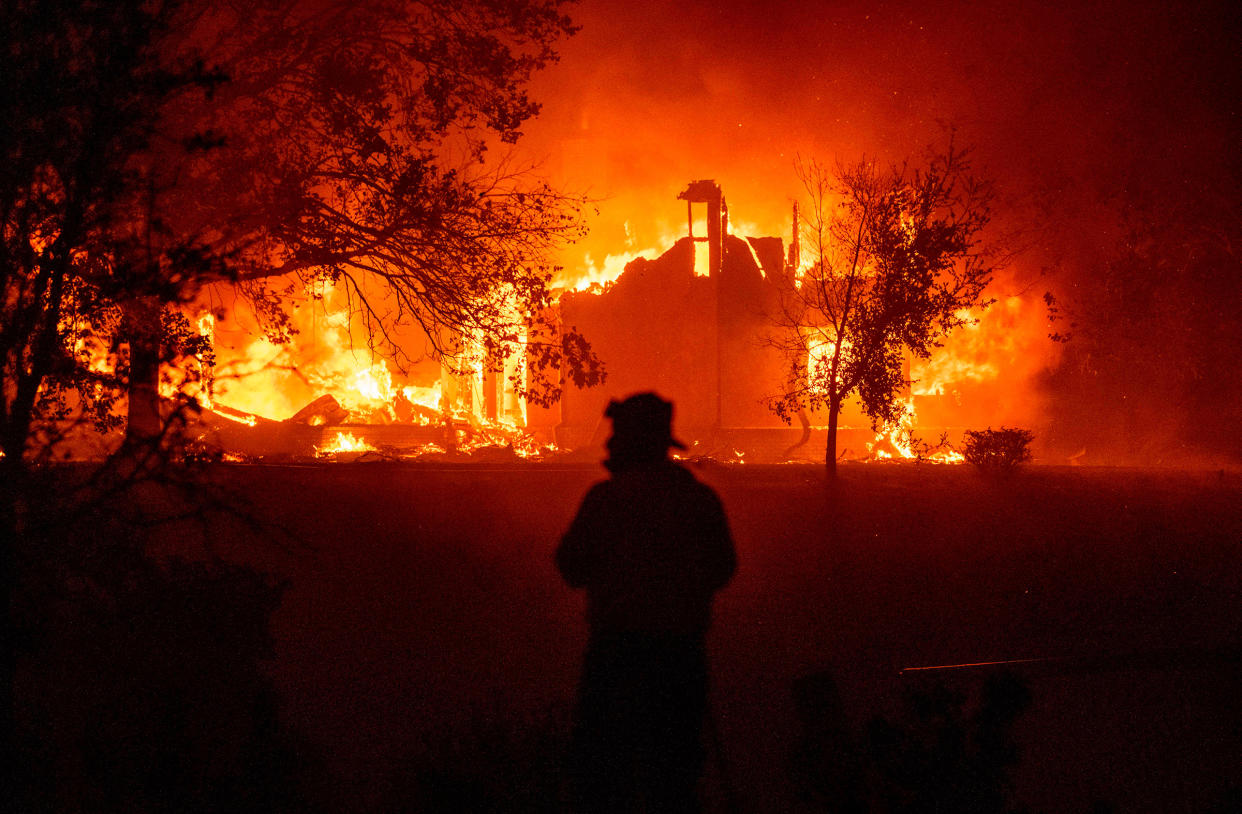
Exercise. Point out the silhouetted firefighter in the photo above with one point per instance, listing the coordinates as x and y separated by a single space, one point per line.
651 546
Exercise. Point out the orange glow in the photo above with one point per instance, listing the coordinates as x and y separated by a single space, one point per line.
702 259
480 414
343 442
900 441
429 397
975 351
586 272
193 379
326 356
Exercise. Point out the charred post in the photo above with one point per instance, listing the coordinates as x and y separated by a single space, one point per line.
708 192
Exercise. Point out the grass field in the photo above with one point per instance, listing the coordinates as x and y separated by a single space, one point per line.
423 602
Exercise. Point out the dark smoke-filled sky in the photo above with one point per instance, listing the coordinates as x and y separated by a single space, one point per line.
1078 111
1071 101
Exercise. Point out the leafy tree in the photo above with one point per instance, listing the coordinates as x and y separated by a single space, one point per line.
897 261
158 148
150 149
361 146
82 240
1148 375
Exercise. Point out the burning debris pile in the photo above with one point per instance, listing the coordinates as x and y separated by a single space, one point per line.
414 424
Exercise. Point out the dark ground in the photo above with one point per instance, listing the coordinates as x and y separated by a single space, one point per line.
423 608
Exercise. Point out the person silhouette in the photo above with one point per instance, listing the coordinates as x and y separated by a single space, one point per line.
651 546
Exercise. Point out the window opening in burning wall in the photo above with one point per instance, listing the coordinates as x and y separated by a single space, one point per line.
713 225
698 233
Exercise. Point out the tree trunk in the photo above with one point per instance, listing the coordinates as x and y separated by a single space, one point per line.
144 423
830 455
10 530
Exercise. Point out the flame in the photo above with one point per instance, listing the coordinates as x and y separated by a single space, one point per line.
949 456
325 356
344 442
373 383
504 435
593 274
240 418
601 275
898 441
894 440
192 378
1000 339
429 397
819 351
264 378
968 355
328 357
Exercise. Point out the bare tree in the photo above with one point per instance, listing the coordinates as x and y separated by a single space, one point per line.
897 260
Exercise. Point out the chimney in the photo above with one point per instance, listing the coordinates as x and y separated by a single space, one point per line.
708 191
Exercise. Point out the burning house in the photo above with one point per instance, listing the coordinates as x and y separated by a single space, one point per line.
696 324
689 324
693 323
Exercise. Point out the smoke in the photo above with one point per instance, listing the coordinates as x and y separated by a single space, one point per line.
1081 113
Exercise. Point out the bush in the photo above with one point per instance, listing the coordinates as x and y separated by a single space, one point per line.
1001 449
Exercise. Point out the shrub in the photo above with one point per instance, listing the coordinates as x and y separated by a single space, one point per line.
1000 449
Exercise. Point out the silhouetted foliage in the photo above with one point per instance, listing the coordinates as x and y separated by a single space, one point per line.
152 149
495 763
81 235
997 450
1148 375
89 255
897 259
946 752
360 149
142 686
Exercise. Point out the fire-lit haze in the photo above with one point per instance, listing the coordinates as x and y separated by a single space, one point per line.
303 507
1093 120
1079 112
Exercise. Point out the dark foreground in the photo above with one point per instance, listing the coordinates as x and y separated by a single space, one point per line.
424 652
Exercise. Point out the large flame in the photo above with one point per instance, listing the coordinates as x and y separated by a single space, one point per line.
976 350
325 356
599 275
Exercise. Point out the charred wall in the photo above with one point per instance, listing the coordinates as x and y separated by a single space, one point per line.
697 340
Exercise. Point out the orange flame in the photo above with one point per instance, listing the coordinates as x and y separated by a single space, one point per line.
343 442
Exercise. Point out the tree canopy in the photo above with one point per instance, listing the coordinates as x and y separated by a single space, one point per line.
152 149
369 144
1152 341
